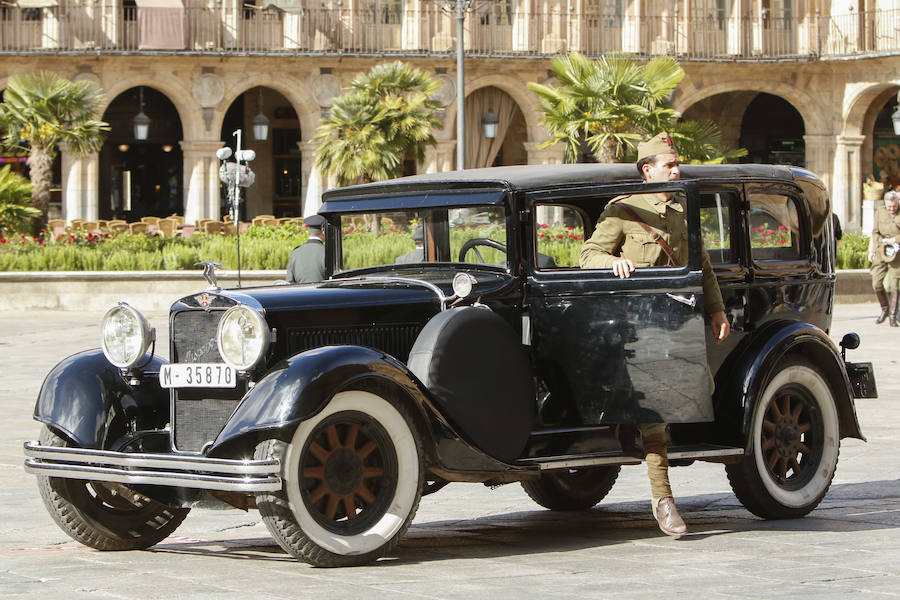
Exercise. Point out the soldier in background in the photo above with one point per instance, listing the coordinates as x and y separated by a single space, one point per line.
884 258
307 261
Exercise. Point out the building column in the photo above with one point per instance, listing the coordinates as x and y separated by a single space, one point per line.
311 180
80 185
201 180
846 190
554 155
440 158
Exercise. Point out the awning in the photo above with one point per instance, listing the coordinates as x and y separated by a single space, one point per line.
37 3
160 24
289 6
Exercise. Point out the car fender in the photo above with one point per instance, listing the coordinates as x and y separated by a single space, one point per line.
86 398
775 342
299 387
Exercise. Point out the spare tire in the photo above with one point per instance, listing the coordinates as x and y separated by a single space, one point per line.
479 374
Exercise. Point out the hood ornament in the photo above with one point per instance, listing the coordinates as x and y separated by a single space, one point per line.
209 272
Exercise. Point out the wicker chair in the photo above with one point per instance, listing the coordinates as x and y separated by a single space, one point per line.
168 227
150 220
139 227
258 219
75 224
212 226
229 229
117 225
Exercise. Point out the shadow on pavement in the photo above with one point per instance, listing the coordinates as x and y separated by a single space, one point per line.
847 507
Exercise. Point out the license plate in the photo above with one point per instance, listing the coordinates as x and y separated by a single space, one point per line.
204 375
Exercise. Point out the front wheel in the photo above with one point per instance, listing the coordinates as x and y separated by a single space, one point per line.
571 489
352 482
102 515
794 445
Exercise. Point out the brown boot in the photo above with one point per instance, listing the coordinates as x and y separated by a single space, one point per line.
892 318
885 308
670 522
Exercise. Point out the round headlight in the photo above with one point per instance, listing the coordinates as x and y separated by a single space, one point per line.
243 337
125 336
463 284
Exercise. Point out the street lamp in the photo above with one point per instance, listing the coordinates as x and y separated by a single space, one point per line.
236 175
895 117
141 121
260 123
490 121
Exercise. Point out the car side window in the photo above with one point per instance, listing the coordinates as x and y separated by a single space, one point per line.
774 228
558 236
716 210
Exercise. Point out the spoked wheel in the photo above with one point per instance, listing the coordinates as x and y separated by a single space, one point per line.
794 446
105 516
571 489
352 482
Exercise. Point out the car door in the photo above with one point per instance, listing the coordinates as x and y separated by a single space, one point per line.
613 350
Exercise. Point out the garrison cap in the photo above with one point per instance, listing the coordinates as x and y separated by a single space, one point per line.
314 221
661 143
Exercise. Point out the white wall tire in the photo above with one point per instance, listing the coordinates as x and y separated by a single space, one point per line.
794 445
352 482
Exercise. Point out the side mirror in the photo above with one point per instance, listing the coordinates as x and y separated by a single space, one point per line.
850 341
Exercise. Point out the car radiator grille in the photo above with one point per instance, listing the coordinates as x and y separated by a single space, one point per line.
395 339
200 414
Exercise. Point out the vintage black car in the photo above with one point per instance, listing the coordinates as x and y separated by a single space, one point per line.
485 356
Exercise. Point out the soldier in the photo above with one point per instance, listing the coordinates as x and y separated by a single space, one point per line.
884 257
621 241
417 255
307 261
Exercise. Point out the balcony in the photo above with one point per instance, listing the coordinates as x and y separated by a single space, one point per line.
501 31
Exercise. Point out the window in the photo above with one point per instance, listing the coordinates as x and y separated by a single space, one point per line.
472 234
558 236
774 228
716 209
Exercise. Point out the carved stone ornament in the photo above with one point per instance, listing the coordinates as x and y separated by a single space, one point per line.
208 89
87 76
447 92
325 88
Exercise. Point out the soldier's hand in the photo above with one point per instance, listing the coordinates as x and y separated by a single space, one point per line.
720 326
622 268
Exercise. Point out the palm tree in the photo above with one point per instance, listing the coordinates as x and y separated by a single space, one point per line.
386 115
39 112
16 211
606 106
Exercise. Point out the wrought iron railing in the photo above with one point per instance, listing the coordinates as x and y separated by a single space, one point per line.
97 27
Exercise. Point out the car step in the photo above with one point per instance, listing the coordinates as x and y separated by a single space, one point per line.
675 453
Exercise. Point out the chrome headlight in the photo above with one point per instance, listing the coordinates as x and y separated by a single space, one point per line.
243 337
463 284
125 336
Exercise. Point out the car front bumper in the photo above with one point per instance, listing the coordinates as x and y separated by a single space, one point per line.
154 469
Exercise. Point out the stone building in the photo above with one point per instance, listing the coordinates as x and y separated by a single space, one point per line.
805 82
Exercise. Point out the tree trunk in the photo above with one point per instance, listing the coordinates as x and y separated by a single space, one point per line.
41 164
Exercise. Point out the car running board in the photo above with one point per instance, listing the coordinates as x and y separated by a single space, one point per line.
709 452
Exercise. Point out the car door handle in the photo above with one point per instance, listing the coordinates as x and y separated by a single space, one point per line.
692 301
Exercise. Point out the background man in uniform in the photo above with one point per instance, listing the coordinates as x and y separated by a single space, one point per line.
886 270
620 241
417 255
307 261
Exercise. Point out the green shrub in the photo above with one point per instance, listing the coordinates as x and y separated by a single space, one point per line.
852 252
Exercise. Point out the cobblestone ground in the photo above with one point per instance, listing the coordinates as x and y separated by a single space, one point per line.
469 541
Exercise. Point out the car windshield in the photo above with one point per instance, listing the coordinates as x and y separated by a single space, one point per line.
471 234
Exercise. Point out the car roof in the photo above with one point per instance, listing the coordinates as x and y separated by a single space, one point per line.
532 177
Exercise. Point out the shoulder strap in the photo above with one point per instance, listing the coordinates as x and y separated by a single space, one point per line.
655 236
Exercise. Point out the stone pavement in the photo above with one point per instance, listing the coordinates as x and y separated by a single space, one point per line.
468 541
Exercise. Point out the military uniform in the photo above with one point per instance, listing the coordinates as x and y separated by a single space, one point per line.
886 226
307 261
618 235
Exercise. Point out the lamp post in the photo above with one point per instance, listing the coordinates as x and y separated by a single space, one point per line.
235 175
141 121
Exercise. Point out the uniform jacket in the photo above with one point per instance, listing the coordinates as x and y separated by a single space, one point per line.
886 226
618 235
307 262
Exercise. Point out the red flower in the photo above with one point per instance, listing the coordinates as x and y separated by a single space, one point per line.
544 226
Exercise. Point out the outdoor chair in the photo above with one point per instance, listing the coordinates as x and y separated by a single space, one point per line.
213 226
168 227
139 227
150 220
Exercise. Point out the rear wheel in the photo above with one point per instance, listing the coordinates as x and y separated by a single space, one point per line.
794 446
571 489
105 516
352 482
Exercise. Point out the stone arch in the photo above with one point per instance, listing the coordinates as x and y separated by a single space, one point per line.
815 119
306 107
518 91
857 119
192 125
